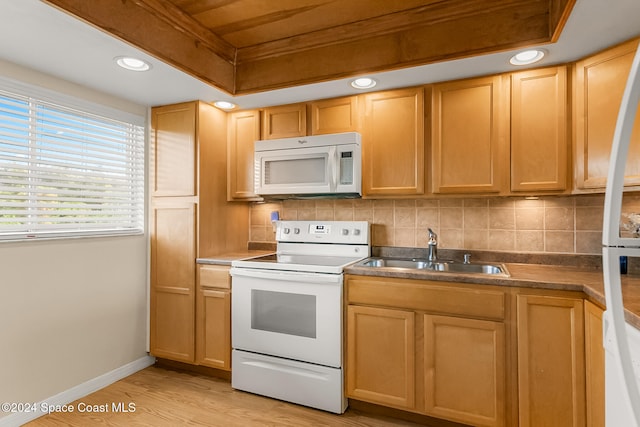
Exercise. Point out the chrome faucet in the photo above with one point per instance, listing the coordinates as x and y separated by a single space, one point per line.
432 247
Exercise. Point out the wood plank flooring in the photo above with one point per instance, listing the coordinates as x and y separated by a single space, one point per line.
164 397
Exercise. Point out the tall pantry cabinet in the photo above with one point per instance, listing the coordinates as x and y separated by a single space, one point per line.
190 218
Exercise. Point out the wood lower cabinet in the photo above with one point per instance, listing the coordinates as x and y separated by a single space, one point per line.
381 356
551 373
213 317
433 348
393 143
594 361
599 84
464 362
173 251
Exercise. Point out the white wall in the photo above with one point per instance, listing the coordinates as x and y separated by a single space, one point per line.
70 310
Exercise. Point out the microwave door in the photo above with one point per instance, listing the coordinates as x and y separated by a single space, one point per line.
295 171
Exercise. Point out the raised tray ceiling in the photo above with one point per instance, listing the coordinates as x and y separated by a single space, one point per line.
247 46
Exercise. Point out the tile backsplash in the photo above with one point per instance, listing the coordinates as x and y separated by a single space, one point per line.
554 224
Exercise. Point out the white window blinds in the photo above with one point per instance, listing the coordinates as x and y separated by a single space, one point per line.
66 172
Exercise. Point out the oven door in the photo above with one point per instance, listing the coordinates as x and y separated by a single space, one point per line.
288 314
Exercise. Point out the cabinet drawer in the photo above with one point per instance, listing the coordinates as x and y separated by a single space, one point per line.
214 276
433 297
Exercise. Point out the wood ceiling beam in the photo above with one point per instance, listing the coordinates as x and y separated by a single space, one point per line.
516 25
162 30
440 30
559 11
431 14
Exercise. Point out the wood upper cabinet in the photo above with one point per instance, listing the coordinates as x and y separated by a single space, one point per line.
551 373
599 84
594 358
243 130
381 356
173 253
393 143
467 136
539 139
284 121
213 318
173 152
334 115
465 370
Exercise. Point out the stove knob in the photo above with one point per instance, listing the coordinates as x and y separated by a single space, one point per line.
345 232
296 231
286 231
356 232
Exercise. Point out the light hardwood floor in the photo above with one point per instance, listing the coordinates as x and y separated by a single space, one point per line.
170 398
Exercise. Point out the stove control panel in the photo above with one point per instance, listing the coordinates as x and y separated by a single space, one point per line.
345 232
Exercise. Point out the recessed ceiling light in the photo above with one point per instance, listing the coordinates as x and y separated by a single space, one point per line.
363 83
224 105
133 64
527 57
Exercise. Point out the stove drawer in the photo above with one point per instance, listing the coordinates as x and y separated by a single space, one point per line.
317 386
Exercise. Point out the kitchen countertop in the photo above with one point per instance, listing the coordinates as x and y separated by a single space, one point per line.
227 258
557 277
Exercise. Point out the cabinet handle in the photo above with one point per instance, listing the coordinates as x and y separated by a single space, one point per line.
214 294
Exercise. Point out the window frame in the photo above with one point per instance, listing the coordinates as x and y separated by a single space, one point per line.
137 160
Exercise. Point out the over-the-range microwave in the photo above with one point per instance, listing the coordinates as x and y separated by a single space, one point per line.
320 165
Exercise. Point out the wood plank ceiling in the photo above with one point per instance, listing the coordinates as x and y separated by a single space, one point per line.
247 46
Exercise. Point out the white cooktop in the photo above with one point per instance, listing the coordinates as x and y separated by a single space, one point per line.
314 246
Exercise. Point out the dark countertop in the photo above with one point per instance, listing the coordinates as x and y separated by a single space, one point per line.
588 280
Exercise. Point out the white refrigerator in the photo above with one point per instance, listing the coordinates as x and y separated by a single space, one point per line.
621 340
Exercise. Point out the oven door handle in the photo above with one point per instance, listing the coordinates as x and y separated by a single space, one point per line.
290 276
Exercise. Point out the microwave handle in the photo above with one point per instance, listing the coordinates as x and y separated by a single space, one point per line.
334 165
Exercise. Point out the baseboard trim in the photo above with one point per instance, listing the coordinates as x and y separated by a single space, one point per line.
79 391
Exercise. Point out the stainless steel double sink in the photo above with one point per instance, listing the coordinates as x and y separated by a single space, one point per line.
436 266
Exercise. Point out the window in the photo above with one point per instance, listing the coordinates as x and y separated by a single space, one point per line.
66 171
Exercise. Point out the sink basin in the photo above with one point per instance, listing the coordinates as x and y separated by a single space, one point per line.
395 263
443 266
456 267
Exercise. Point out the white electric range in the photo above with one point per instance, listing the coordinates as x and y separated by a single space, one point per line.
287 313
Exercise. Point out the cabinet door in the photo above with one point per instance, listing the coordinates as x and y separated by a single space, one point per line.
244 130
381 356
600 83
334 115
550 361
594 357
465 370
393 143
213 317
466 136
173 279
539 142
214 328
284 121
173 151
